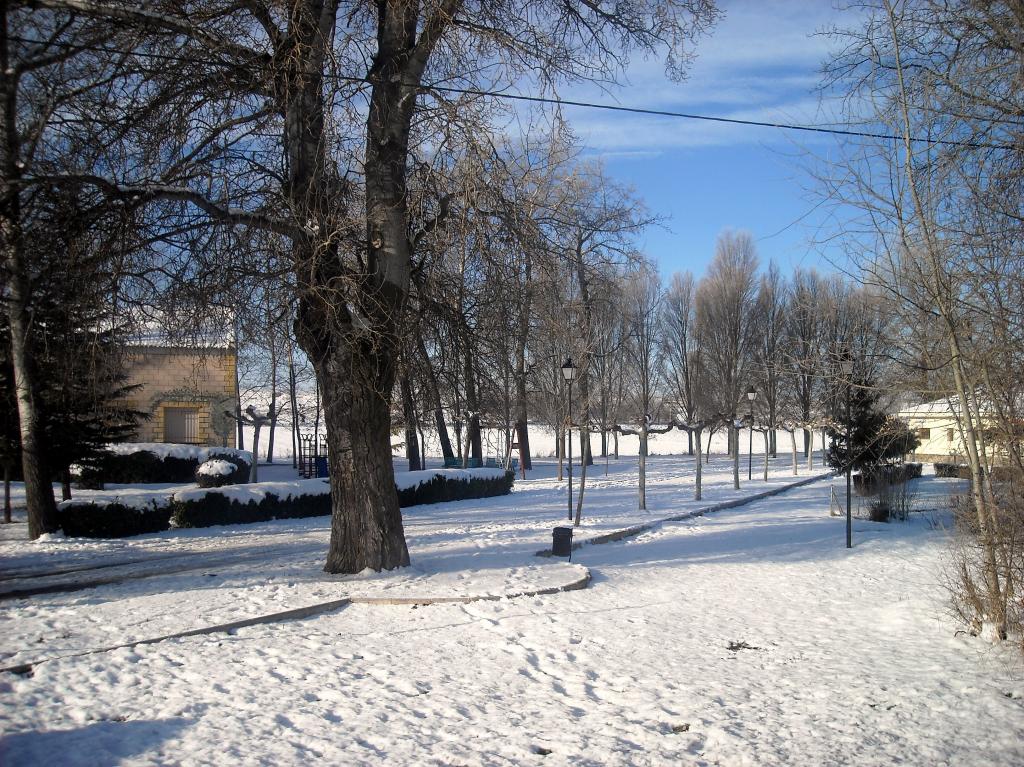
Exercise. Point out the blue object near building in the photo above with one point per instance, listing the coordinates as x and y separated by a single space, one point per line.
321 466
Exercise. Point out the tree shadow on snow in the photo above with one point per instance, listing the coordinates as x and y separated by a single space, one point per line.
104 742
727 537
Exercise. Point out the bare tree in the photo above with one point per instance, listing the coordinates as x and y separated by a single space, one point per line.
942 222
770 349
353 243
644 306
726 314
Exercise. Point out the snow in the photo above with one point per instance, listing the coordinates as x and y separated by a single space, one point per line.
132 500
410 479
747 636
257 491
216 468
198 453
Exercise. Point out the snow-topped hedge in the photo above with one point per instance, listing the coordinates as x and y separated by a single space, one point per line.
258 502
264 501
114 519
438 485
217 472
151 462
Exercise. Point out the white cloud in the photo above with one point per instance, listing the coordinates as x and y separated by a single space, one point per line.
761 63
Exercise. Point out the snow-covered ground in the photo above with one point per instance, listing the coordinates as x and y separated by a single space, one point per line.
748 636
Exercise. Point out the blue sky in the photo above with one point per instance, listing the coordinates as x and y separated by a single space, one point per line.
762 62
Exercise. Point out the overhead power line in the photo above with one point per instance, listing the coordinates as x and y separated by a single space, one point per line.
553 101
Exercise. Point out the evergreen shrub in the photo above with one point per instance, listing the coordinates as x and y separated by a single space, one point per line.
217 472
215 508
80 519
145 467
441 488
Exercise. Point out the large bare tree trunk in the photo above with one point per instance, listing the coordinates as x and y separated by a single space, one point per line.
42 510
366 524
352 338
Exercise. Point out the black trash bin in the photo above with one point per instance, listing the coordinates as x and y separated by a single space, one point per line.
561 542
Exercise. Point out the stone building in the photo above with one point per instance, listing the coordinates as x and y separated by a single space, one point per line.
186 391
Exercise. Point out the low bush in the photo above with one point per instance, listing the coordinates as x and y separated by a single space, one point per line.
1004 474
80 519
962 471
442 488
216 472
878 511
215 508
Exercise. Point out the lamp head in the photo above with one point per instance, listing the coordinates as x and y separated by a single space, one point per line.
751 394
568 370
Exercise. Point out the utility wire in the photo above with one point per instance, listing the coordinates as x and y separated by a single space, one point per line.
562 102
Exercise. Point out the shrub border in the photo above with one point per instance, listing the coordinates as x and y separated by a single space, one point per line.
115 520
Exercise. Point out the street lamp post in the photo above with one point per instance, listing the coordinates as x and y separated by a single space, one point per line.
847 367
751 395
569 372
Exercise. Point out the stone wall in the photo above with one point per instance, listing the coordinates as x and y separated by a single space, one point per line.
184 378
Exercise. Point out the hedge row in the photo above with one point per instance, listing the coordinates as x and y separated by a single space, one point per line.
441 489
145 467
217 509
81 519
115 520
961 471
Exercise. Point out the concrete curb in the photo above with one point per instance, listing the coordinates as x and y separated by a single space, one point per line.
576 585
630 532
